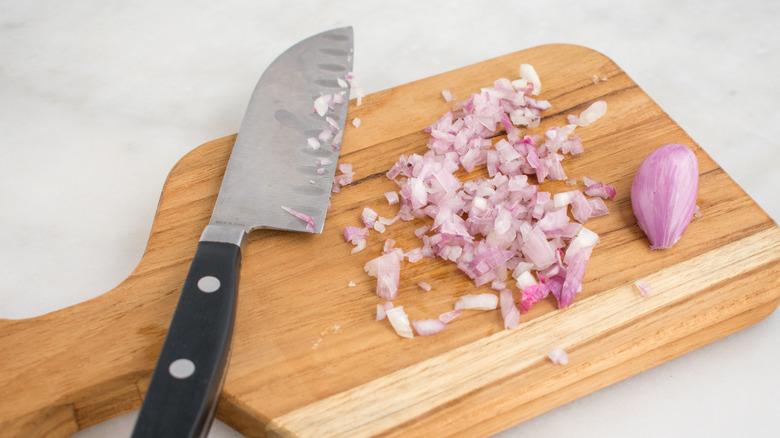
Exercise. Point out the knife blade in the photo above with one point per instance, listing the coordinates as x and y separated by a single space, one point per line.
279 176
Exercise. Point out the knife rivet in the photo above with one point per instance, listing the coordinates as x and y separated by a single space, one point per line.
208 284
181 368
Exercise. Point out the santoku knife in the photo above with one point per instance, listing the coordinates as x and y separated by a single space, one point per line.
279 176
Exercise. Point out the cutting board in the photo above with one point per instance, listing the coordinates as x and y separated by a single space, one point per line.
308 357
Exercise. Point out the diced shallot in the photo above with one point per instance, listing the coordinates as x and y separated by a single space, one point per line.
528 74
380 312
558 356
525 279
590 115
386 268
321 104
644 288
356 236
400 322
389 246
369 217
509 311
446 317
595 188
313 143
533 294
392 197
347 175
308 219
501 223
477 302
428 327
414 255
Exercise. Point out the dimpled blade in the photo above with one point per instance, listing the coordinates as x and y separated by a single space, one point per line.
273 168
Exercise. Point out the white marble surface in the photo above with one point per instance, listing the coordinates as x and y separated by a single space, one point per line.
99 99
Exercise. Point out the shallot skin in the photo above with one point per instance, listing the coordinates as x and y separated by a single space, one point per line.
663 194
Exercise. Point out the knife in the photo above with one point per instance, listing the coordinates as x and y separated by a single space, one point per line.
279 176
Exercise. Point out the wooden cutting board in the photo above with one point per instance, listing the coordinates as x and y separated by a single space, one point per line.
309 359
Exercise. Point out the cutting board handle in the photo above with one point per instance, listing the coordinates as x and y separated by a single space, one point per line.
79 366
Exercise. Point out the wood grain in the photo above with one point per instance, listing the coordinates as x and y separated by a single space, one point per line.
308 358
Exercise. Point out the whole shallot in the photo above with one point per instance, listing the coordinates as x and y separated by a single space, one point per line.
663 194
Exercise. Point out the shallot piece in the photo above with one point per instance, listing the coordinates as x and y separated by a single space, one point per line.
446 317
509 312
309 221
392 197
414 256
595 188
381 313
387 269
400 322
356 236
558 356
313 143
477 302
321 105
644 288
533 294
424 286
369 217
590 115
529 75
381 310
428 327
663 194
346 177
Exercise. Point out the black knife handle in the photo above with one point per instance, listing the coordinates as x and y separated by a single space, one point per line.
187 380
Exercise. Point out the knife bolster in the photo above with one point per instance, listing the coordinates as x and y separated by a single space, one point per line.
225 234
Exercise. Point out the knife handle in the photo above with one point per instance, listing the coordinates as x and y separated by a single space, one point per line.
186 383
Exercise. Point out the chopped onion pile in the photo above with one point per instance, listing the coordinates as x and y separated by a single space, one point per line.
500 228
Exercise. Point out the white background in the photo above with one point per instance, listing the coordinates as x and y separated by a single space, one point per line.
98 100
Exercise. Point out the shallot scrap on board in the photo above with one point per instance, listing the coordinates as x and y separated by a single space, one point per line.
558 356
500 229
644 288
